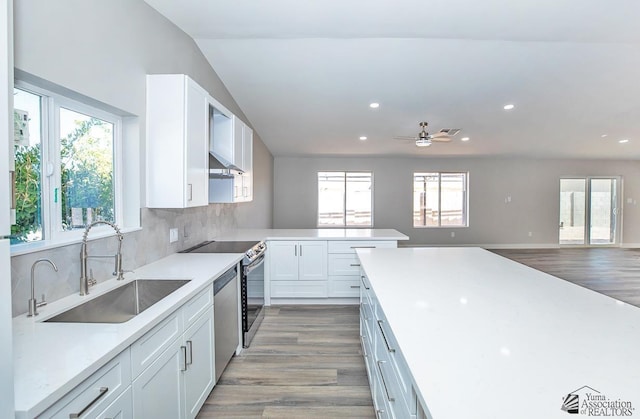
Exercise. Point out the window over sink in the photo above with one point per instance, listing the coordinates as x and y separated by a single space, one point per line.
66 165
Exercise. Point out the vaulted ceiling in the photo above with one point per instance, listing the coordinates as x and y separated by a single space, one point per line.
305 72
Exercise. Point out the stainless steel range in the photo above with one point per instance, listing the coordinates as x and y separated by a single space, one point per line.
252 280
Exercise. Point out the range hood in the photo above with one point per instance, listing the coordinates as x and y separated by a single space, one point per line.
216 161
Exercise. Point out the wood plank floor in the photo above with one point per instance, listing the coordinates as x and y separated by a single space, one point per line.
611 271
304 362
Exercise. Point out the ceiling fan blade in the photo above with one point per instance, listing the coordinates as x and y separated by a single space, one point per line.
439 135
404 137
441 139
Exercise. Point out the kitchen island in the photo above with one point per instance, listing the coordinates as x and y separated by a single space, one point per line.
479 336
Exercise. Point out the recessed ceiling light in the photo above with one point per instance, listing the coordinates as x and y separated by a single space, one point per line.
363 138
603 136
464 139
374 105
624 140
508 107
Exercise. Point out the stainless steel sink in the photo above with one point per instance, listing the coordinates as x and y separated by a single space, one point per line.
121 304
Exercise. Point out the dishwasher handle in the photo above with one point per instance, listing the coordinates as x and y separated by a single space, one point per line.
224 279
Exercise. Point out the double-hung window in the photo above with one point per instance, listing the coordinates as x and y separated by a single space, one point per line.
345 199
440 199
66 166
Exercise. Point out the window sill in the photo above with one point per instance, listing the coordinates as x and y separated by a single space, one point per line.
439 227
343 227
26 248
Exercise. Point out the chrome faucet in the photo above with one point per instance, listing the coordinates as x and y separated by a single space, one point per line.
33 303
118 272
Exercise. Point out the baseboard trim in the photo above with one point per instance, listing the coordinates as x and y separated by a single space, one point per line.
630 245
314 301
493 246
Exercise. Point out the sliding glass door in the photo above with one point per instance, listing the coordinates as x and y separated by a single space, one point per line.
589 211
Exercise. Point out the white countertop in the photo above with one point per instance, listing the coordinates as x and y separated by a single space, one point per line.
50 359
313 234
486 337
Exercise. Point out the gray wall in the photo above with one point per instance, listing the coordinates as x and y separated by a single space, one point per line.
533 186
103 49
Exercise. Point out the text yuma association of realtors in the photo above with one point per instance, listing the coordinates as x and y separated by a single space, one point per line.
600 405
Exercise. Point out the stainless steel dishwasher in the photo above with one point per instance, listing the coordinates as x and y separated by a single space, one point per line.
225 318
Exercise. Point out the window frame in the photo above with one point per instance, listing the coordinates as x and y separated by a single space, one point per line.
465 203
52 231
346 172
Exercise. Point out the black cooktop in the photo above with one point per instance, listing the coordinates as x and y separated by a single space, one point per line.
221 247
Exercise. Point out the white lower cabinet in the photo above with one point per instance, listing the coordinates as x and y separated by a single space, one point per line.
317 268
344 266
167 373
159 391
199 376
298 269
96 393
177 382
387 371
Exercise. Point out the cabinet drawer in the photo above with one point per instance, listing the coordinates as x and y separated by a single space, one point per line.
349 246
299 289
344 286
387 349
146 349
388 390
344 264
197 305
95 393
121 408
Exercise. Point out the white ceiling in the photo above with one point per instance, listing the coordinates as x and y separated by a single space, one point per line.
304 73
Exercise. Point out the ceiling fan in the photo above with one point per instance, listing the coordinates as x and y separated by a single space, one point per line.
424 139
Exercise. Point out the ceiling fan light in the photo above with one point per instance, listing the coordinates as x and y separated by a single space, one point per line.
423 143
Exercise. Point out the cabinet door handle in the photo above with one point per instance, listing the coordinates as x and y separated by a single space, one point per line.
354 264
364 350
300 250
384 382
386 341
355 286
364 282
190 346
184 357
363 311
363 247
295 250
103 391
190 193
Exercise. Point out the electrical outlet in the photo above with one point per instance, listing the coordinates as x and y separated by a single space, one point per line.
530 234
173 235
453 234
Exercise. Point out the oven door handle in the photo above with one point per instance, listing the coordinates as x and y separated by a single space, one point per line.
253 265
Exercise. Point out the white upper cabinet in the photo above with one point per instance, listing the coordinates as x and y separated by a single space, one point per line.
177 142
221 134
237 184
